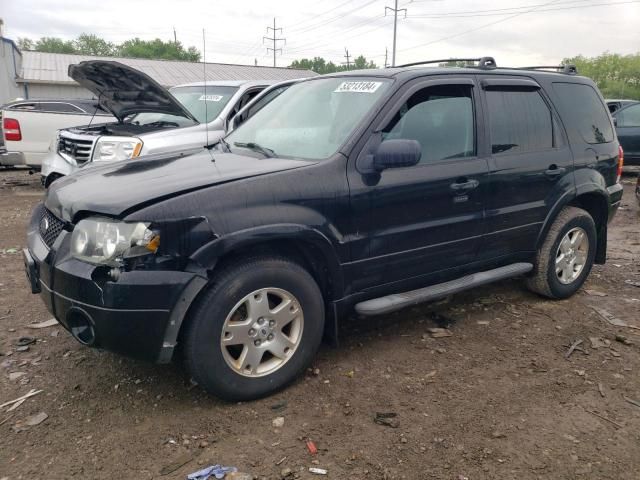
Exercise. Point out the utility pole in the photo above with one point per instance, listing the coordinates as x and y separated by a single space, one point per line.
395 11
347 56
386 65
275 41
175 36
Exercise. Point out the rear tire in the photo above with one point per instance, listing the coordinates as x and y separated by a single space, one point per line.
256 327
564 260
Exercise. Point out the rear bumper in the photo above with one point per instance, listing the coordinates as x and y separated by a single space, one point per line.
9 159
138 315
615 197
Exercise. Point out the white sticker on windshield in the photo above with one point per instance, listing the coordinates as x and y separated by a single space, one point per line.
210 98
358 87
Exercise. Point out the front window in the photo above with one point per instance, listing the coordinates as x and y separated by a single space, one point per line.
205 107
312 119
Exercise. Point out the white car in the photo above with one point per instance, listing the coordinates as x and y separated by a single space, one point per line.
150 118
29 125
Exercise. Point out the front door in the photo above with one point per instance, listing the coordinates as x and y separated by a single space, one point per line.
411 222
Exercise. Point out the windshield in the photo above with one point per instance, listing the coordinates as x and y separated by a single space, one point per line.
204 108
310 120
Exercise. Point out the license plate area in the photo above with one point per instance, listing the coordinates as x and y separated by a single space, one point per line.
31 271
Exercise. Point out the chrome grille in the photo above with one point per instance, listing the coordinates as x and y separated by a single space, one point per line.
50 227
78 149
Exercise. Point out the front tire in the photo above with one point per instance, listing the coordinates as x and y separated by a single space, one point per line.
564 260
256 327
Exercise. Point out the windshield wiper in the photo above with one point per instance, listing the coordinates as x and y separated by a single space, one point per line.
267 152
160 123
225 146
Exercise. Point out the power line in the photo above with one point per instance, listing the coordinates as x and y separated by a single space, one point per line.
275 40
395 11
332 19
316 16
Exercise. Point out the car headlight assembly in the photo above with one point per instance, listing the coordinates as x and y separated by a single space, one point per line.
109 149
103 241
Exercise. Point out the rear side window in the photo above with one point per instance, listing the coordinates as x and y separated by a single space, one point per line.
59 107
582 108
629 117
25 106
519 121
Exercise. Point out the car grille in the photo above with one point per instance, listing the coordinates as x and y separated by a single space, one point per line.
50 227
79 150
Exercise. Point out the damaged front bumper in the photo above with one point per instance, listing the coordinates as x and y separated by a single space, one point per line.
138 315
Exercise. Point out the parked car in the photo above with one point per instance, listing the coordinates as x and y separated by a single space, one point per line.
638 189
258 102
371 190
615 105
150 118
627 123
29 125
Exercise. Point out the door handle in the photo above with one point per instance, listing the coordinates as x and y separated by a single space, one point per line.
464 185
554 171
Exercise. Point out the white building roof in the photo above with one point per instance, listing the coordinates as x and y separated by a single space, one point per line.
39 67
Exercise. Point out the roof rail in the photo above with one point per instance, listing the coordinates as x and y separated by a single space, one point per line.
569 69
483 62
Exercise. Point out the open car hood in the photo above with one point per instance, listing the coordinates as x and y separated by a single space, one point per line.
122 90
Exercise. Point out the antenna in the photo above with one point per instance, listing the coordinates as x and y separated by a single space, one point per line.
204 73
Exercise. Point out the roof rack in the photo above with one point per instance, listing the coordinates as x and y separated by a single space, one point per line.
483 62
569 69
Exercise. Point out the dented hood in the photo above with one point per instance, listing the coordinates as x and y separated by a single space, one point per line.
123 90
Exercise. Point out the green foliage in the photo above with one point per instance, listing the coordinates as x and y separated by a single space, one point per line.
617 76
89 44
158 49
321 66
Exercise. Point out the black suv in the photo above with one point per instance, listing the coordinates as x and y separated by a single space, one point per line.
372 190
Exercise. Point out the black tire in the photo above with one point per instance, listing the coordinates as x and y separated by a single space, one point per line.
544 279
203 353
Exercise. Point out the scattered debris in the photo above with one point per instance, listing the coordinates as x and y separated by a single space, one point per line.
483 322
24 341
280 406
597 342
572 348
439 332
31 421
441 320
318 471
623 339
601 389
609 317
313 450
176 464
286 473
387 419
595 293
47 323
349 374
617 425
23 348
279 462
11 250
278 422
238 476
20 400
16 375
214 471
631 401
498 434
632 283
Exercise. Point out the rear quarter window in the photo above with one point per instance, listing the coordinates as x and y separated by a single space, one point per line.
582 109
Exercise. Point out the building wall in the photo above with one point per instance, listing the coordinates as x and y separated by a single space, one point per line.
9 89
44 90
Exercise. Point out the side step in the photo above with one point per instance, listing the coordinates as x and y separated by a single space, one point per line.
396 301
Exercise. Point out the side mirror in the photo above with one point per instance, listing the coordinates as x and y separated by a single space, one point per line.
397 153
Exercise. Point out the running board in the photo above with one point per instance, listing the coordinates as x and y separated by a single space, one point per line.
396 301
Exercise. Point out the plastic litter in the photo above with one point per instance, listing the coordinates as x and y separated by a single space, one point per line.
313 450
214 471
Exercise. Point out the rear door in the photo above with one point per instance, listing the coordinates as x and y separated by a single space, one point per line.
628 130
530 164
412 222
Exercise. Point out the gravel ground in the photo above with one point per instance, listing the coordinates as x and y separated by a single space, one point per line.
499 398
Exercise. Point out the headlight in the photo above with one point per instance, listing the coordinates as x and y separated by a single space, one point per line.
116 148
104 241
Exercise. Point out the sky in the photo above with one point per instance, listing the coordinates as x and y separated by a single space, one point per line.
516 33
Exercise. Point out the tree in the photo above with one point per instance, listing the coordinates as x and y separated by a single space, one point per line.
617 76
89 44
54 45
157 48
321 66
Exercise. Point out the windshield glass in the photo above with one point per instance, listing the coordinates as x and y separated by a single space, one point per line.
204 108
310 120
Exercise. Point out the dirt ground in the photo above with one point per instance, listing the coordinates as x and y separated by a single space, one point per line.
499 399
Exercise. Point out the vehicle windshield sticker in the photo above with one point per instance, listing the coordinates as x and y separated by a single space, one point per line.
210 98
358 87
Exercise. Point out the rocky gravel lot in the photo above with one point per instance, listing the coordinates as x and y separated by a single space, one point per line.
517 387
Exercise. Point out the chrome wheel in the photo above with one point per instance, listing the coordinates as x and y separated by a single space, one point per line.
571 256
262 332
